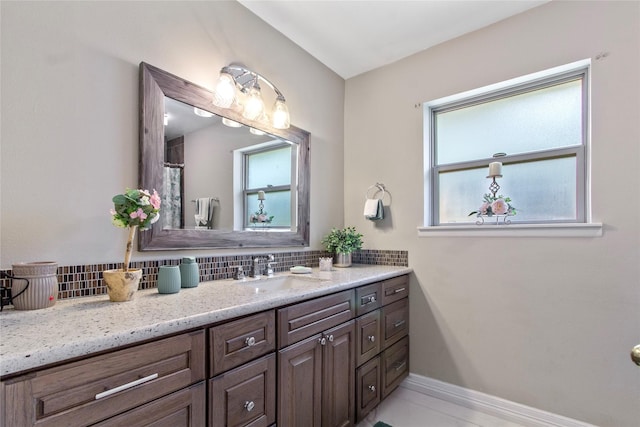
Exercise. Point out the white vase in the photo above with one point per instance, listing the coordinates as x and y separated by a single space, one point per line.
42 291
121 285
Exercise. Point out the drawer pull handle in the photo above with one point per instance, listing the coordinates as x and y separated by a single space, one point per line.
249 406
398 290
250 341
399 323
125 386
368 300
371 338
400 365
372 388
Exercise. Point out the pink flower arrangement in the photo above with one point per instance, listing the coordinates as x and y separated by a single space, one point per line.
493 205
134 209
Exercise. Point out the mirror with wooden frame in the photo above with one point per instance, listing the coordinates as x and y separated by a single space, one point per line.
227 202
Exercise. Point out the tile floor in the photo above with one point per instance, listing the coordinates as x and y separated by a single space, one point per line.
408 408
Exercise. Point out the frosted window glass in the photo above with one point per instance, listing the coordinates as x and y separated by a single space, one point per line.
541 190
269 168
539 120
277 203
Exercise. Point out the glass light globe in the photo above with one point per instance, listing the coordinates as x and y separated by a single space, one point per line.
280 116
254 105
225 92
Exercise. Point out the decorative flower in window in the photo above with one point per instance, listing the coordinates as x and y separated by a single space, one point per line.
493 205
260 217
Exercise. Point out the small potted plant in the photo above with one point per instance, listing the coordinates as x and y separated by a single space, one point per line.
343 243
133 209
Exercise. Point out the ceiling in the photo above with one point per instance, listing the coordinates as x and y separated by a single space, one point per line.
355 36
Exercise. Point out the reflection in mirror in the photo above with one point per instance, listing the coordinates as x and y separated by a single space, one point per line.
213 174
222 186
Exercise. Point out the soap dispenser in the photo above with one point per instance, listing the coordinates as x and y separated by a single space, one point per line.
189 274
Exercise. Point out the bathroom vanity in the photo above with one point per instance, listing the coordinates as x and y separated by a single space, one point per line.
319 349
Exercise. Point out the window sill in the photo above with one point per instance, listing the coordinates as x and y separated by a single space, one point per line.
513 230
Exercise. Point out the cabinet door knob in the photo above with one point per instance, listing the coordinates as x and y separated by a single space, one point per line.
372 388
371 338
249 406
635 354
250 341
330 338
322 341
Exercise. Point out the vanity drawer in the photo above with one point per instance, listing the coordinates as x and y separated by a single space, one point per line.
234 343
305 319
395 289
395 321
244 396
368 298
367 336
368 388
100 387
183 408
395 365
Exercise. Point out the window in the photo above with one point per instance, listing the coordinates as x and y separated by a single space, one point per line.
268 172
538 126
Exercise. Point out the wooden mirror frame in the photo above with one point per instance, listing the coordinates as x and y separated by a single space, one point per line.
155 84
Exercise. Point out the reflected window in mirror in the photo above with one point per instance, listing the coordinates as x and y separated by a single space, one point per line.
268 173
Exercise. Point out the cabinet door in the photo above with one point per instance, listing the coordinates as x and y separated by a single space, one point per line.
367 337
338 376
245 396
184 408
300 384
368 390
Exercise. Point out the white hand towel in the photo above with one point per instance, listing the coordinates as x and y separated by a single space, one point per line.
370 207
374 209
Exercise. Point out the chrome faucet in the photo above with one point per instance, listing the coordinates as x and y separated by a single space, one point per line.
255 272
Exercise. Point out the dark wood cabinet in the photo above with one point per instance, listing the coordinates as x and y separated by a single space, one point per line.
316 380
323 362
245 396
242 340
100 387
368 390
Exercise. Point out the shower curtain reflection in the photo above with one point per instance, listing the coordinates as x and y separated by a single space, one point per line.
172 210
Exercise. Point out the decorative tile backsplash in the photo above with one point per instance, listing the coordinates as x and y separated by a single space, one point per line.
86 280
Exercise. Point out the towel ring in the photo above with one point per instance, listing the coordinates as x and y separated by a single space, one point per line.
379 187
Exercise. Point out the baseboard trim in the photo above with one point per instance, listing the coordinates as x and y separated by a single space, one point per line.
488 404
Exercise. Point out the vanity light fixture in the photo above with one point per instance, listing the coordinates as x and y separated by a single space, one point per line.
230 123
202 113
239 85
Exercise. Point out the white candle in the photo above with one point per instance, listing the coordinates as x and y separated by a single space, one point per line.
495 169
260 195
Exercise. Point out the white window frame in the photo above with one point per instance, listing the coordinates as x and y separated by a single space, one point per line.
581 227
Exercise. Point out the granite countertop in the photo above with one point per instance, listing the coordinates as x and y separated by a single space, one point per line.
77 327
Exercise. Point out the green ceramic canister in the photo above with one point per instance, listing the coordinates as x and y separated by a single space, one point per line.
189 272
169 281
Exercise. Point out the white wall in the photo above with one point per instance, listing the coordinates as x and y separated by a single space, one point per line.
547 322
70 113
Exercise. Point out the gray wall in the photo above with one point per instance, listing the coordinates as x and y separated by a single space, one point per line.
70 113
547 322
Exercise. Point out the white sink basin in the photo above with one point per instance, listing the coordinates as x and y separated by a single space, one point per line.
277 283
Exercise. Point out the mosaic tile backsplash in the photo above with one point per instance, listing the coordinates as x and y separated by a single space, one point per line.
85 280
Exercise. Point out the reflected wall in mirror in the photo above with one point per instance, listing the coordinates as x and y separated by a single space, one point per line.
221 186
